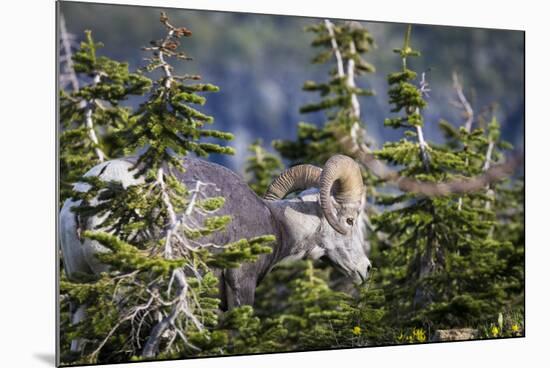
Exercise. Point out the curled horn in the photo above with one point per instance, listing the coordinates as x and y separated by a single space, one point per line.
346 174
296 178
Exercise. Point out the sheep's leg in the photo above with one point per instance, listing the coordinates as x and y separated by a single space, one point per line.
78 315
239 289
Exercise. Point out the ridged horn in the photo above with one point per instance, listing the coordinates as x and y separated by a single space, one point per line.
346 174
296 178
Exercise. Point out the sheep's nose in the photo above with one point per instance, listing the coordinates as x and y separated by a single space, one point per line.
364 275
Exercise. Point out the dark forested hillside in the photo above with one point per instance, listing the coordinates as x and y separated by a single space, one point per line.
266 58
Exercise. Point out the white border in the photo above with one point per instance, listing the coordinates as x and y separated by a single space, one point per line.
27 201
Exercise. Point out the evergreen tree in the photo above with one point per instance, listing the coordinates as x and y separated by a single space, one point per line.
445 268
159 297
347 42
251 334
262 166
510 212
92 114
314 315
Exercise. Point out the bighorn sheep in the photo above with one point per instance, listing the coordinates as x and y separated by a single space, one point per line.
323 222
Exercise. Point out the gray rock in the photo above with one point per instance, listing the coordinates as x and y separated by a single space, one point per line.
456 334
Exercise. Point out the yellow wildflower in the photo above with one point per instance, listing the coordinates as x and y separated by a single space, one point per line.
419 335
401 337
515 327
357 331
494 331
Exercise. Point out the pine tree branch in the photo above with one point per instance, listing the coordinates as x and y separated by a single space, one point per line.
258 152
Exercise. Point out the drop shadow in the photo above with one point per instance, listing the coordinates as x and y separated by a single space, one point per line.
46 358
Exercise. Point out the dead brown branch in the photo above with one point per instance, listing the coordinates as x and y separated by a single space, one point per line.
429 189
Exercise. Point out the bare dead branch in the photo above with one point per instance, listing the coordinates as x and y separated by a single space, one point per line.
488 154
468 111
152 344
89 121
335 49
429 189
68 75
424 148
350 81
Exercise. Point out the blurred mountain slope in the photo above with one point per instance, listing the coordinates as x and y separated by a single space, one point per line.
261 61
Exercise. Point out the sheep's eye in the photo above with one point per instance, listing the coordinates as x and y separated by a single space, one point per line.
349 220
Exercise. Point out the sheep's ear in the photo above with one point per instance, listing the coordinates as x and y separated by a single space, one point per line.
103 169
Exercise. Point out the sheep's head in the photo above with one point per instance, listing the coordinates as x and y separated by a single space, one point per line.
340 238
